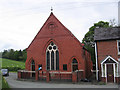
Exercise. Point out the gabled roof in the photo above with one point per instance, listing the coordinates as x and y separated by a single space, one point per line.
109 57
46 33
111 33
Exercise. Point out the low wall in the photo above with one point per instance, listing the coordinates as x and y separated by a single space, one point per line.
50 75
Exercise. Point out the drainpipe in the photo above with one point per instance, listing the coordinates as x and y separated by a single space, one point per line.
96 61
119 13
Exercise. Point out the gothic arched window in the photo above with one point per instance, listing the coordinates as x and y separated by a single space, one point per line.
74 65
33 65
52 57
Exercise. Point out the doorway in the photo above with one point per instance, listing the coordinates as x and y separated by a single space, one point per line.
109 69
110 73
74 65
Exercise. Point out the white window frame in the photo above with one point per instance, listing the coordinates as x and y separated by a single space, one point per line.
118 46
50 51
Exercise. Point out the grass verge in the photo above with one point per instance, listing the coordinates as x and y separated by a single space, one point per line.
5 85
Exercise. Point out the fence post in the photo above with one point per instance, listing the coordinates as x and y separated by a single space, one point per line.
36 75
19 74
74 77
47 76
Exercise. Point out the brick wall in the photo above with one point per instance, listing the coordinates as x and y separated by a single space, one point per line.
104 49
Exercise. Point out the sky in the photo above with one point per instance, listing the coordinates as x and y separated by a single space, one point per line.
21 20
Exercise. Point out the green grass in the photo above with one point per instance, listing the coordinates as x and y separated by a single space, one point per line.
5 85
12 64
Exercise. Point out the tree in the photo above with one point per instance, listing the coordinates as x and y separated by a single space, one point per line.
14 54
88 39
20 55
24 53
11 53
113 23
5 54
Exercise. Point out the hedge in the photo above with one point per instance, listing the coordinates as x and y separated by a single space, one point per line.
13 68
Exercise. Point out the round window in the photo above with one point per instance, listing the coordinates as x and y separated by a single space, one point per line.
50 47
54 47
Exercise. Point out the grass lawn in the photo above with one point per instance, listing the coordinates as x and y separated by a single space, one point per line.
7 63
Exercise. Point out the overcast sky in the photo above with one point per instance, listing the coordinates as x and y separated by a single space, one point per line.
20 20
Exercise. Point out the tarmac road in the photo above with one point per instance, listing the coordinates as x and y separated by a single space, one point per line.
14 83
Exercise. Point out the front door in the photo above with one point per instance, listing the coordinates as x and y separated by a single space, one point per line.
110 73
75 67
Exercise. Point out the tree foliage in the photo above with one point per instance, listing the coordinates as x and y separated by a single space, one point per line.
88 39
17 55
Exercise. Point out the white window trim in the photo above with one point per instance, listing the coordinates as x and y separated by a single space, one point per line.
50 56
118 46
118 67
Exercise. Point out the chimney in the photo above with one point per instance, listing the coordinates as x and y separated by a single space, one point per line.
119 13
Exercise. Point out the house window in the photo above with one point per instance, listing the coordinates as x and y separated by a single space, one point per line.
118 46
52 57
65 67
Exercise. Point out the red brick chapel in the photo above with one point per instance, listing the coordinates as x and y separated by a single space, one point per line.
56 50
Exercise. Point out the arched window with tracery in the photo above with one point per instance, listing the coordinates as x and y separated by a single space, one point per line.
52 57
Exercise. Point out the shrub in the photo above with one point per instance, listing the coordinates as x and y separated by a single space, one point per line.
5 85
13 68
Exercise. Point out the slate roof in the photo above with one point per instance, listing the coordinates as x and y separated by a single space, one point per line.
110 33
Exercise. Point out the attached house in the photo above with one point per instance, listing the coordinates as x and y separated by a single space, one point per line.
107 49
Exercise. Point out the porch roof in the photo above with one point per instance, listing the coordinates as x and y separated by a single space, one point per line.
107 58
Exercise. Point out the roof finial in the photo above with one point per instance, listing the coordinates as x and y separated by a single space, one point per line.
51 9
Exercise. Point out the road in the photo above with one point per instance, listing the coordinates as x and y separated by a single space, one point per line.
14 83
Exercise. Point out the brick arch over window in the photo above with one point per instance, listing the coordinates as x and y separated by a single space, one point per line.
71 59
46 45
52 57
